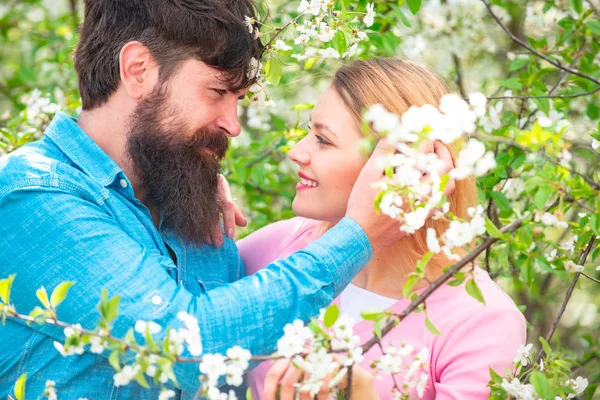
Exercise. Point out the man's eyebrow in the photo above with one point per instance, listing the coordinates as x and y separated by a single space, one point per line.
324 127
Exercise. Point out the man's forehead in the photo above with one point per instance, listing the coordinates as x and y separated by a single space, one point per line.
212 77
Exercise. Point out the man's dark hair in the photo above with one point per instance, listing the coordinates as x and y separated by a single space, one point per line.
211 31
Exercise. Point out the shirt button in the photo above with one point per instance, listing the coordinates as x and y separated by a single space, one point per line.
156 300
123 183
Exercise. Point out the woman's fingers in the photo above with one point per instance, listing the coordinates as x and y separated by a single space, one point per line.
273 378
444 154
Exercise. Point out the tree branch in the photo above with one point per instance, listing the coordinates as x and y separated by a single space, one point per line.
563 307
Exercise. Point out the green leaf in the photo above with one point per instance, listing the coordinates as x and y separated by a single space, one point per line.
339 41
408 286
458 279
5 285
59 293
370 314
541 196
42 295
493 230
595 223
432 327
274 69
331 315
404 19
113 360
474 291
518 63
511 83
546 346
20 387
414 5
422 263
378 327
594 27
576 5
112 308
541 385
503 204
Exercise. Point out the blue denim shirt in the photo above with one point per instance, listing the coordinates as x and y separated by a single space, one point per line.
68 212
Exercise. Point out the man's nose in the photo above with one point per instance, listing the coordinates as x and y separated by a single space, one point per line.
229 122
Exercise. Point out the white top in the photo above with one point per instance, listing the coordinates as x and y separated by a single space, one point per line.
354 300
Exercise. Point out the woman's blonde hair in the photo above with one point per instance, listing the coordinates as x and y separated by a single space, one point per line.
399 84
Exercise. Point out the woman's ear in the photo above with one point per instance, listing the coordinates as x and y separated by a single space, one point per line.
443 153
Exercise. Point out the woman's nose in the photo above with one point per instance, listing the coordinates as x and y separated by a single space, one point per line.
299 153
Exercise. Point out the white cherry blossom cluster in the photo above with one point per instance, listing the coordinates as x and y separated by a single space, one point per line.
39 108
312 352
321 27
410 198
232 367
410 365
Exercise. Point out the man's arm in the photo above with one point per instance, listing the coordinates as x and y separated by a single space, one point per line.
52 235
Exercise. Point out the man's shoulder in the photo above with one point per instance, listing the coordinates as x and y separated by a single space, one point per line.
40 165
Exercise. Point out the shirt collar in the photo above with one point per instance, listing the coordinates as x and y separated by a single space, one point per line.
81 149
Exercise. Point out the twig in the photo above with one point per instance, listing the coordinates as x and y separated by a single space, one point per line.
440 281
459 80
549 96
499 139
563 307
537 53
590 278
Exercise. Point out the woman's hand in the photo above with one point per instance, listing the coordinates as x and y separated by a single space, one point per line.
231 213
285 377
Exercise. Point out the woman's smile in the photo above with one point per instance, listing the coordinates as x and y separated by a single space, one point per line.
306 182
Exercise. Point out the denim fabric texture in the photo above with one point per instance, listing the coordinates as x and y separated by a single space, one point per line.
68 213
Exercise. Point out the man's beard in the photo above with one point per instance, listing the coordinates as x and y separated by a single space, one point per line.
179 177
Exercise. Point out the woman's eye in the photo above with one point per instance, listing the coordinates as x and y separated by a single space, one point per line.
320 140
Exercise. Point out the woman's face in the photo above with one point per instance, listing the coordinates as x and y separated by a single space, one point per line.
330 160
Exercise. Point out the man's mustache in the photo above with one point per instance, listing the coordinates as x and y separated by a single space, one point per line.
215 141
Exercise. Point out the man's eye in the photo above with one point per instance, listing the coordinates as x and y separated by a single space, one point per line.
220 92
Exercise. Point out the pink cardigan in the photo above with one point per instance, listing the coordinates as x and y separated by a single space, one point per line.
475 337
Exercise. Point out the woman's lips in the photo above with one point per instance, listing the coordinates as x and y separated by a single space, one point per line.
306 182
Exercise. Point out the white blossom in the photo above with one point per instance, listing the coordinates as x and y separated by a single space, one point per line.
254 68
329 53
126 375
578 384
432 242
166 394
350 51
153 327
478 102
522 355
370 17
50 390
572 267
281 46
213 366
595 144
249 22
96 344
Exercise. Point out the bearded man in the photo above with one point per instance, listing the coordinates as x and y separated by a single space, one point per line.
126 198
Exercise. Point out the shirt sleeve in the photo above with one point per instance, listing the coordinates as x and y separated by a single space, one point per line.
263 246
51 235
488 339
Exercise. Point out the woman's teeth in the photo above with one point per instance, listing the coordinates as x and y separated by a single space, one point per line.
307 182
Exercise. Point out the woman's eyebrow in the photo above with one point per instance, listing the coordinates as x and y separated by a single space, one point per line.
324 127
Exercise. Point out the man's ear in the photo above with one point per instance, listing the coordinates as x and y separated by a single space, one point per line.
138 70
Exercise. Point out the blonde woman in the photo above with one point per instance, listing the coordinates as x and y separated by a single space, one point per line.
475 337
